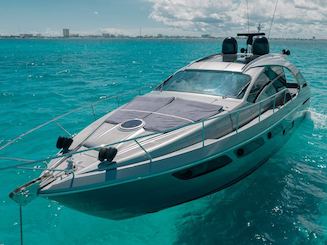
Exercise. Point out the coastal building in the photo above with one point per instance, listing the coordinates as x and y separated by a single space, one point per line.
206 36
26 35
65 32
108 35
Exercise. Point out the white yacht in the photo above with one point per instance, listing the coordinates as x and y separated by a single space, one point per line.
206 127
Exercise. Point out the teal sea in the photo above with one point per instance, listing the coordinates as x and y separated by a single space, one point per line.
283 202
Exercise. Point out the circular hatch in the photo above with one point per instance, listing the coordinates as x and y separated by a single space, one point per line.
132 124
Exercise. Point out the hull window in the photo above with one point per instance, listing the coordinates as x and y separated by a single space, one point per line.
249 147
203 168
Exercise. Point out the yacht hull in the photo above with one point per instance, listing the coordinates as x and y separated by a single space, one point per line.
157 192
144 196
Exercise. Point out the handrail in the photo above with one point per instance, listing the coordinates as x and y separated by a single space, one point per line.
202 133
12 141
135 139
44 169
145 151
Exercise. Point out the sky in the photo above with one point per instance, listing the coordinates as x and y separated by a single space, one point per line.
294 18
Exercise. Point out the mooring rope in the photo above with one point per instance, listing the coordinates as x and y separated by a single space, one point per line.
21 224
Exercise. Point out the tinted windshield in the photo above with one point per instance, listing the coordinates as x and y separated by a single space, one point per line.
221 83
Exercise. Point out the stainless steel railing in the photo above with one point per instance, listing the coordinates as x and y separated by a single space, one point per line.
26 162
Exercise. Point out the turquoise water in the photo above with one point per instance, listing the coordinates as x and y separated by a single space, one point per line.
283 202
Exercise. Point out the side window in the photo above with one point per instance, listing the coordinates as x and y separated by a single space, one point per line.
279 80
300 78
259 84
289 76
291 81
271 81
266 92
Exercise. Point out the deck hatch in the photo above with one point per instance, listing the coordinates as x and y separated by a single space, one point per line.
132 124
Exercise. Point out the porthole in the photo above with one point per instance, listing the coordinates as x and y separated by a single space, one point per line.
249 147
269 135
284 131
240 152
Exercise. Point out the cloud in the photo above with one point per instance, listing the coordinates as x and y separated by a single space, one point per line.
115 31
300 18
144 31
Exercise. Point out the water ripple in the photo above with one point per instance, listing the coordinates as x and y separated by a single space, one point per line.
284 202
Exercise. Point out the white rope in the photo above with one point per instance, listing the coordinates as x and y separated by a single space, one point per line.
17 159
62 127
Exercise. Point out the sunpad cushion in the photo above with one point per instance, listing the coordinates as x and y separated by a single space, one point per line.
140 107
163 113
178 113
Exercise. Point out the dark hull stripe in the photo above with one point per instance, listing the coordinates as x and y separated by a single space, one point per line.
232 182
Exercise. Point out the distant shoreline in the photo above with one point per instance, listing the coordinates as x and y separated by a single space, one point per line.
13 37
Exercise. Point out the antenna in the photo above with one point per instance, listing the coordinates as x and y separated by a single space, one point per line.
259 27
140 32
249 41
247 13
272 19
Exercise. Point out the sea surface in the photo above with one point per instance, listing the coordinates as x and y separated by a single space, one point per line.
283 202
